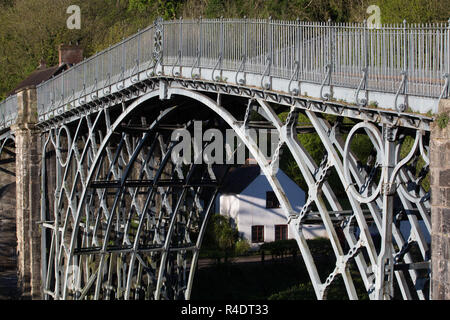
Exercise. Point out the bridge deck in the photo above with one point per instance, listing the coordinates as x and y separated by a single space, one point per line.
395 67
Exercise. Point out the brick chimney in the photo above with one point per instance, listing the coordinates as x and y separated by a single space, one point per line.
70 54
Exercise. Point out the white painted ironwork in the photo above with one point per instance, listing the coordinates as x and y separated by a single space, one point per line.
8 112
113 227
115 262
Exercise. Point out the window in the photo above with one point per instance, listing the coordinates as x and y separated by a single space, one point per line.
281 232
257 234
271 200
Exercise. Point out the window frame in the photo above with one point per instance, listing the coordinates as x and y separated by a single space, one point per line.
259 233
281 229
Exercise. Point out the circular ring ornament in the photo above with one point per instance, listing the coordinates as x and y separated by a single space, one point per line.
63 162
346 158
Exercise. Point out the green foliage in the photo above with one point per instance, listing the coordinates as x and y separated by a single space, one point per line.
221 237
373 104
214 8
362 147
442 120
167 9
242 247
305 291
406 147
140 5
6 3
322 251
31 30
280 248
337 10
413 11
311 142
247 281
225 235
286 279
300 292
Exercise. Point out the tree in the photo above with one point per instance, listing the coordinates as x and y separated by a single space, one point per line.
31 30
167 9
414 11
221 236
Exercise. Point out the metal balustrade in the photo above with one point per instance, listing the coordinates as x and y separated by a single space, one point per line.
402 59
410 55
8 112
97 74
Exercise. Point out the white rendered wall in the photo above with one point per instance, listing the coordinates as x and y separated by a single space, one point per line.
249 209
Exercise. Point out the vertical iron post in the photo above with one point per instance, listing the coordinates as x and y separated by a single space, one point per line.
385 264
200 40
222 44
405 60
299 47
180 39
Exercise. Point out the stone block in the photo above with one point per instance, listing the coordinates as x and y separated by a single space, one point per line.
437 290
444 178
439 160
440 197
444 105
445 221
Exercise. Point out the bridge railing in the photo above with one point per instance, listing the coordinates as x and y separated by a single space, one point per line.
412 58
98 74
409 59
8 111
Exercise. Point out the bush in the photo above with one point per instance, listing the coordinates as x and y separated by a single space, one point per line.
299 292
320 247
242 247
280 248
442 120
221 238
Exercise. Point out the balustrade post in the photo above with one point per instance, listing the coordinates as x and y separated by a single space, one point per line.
180 49
200 39
366 60
299 48
330 57
405 60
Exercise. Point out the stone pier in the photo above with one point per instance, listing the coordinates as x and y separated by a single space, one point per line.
28 150
440 206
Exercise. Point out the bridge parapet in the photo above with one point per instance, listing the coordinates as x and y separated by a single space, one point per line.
8 111
394 67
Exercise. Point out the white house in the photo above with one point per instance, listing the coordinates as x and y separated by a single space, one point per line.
249 200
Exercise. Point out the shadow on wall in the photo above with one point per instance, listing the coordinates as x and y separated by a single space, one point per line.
8 243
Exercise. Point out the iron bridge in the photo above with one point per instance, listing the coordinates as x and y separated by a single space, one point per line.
120 219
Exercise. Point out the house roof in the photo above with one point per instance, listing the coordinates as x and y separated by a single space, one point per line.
38 76
240 178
